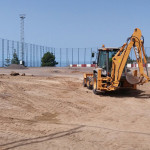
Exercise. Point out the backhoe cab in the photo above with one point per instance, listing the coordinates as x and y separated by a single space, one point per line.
111 73
104 59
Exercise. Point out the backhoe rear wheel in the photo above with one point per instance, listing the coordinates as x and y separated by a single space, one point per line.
89 83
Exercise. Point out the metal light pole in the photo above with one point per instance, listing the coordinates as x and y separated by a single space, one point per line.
22 17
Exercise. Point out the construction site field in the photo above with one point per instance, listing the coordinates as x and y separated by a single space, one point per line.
49 109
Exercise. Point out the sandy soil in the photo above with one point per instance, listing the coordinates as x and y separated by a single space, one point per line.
48 109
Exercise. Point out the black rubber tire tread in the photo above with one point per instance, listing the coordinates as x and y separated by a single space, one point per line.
95 90
89 79
84 84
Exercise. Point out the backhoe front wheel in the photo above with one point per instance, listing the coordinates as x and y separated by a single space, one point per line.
95 85
89 83
84 82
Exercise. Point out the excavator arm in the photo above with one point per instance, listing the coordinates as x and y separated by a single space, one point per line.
120 59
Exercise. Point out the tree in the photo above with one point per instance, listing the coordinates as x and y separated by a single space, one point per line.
7 62
15 59
48 60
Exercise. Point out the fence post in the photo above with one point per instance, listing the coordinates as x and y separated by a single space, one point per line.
2 52
54 51
18 49
60 57
36 61
66 57
34 55
26 47
85 56
91 56
31 63
13 48
40 54
78 55
72 56
8 60
43 50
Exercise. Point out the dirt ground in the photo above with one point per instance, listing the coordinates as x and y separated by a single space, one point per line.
48 109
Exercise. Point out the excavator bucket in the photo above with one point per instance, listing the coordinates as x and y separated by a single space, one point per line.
131 76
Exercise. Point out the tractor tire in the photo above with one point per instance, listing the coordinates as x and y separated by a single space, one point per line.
95 85
89 83
84 83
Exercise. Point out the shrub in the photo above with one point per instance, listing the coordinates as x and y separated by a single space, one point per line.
48 60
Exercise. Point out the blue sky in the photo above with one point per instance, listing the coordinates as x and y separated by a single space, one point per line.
75 23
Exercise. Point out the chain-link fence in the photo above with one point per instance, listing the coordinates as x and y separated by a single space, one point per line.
67 56
33 53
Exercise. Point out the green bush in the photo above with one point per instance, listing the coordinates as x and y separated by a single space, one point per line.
15 59
48 60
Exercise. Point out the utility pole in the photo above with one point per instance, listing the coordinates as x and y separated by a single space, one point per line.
22 17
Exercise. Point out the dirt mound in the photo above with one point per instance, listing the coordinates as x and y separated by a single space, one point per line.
15 66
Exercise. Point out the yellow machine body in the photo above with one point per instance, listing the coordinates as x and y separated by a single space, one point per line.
113 76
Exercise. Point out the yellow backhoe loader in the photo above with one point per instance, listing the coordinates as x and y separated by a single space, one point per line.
111 72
